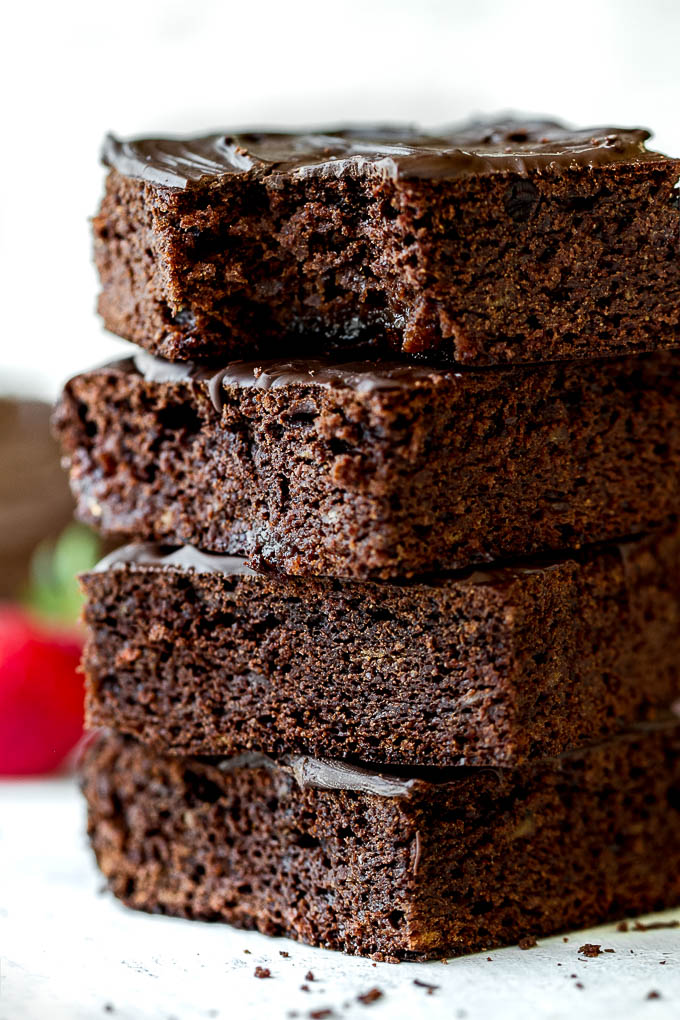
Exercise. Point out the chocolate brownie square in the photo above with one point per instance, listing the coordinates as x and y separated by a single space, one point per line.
414 865
196 653
497 241
363 470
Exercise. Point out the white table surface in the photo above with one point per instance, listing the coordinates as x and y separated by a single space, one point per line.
70 952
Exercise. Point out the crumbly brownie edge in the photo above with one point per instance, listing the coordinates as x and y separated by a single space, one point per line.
307 479
493 668
464 271
438 870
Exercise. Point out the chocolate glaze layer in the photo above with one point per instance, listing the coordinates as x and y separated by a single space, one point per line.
324 773
150 554
360 376
505 145
333 774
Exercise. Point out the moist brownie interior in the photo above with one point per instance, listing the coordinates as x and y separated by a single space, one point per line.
496 241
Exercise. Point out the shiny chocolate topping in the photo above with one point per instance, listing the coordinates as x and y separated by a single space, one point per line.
150 554
362 377
185 557
324 773
393 151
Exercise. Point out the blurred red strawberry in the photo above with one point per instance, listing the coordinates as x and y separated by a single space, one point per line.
41 688
41 693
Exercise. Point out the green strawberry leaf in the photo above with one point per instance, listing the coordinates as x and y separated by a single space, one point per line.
53 591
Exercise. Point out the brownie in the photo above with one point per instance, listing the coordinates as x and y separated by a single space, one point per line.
375 471
419 865
501 240
194 653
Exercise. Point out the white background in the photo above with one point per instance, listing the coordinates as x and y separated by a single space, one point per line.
71 70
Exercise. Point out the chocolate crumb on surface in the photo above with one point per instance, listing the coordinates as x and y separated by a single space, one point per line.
654 995
655 925
372 995
623 926
424 984
590 949
284 954
262 972
309 976
528 942
321 1014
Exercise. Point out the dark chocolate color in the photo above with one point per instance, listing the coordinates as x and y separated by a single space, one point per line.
478 147
498 241
381 471
433 869
478 668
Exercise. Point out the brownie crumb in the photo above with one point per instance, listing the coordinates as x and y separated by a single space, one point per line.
309 976
424 984
321 1014
623 926
653 995
528 942
578 985
564 938
489 959
610 950
590 949
655 926
247 951
285 955
372 995
262 972
662 962
304 988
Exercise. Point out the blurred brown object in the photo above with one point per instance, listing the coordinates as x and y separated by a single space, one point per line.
35 502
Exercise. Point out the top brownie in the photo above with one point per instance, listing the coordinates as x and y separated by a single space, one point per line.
493 242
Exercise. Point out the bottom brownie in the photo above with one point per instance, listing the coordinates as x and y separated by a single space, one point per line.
436 863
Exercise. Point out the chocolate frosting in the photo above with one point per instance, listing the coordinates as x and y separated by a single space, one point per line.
361 376
186 557
324 773
333 774
505 145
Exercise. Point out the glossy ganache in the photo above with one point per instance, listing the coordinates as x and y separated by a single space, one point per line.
478 147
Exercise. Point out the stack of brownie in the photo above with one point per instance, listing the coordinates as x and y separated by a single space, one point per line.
390 663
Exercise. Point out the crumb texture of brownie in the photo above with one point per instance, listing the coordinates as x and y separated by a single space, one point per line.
433 471
499 242
492 668
433 869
